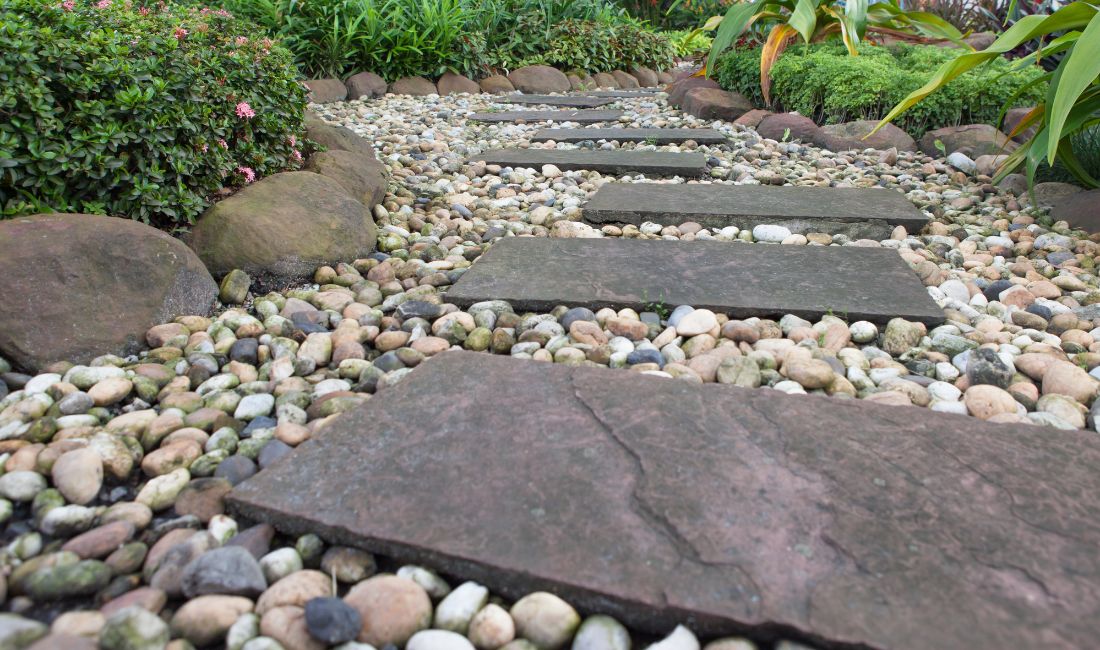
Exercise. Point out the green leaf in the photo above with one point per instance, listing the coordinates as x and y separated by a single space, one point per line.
804 18
738 18
1079 70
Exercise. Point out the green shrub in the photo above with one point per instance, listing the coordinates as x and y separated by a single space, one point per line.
115 109
825 83
688 43
402 38
594 46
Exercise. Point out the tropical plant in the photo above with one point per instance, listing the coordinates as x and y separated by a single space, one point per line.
814 21
148 113
689 43
1071 103
823 82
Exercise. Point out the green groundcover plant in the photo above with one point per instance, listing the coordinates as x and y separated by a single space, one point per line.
1068 112
111 107
823 82
402 38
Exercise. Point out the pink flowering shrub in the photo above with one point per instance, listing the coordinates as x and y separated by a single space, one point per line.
139 109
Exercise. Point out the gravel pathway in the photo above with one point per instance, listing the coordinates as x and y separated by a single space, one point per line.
115 472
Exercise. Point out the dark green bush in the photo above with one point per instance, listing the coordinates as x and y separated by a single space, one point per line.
146 113
594 46
825 83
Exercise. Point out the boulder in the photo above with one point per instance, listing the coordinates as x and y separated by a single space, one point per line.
678 89
625 79
575 82
971 139
496 84
787 126
664 77
753 117
455 84
850 135
365 84
364 178
77 286
539 79
280 229
1050 193
588 82
418 86
715 104
1078 209
332 136
1013 117
605 80
326 91
645 76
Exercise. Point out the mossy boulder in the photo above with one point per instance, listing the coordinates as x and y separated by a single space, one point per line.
280 229
77 286
364 178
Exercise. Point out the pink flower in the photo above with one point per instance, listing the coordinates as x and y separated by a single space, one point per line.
245 111
205 147
179 33
292 140
242 40
144 11
103 4
248 173
68 5
222 144
296 156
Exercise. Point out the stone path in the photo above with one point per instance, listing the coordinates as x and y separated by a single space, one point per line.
656 163
578 116
856 212
743 280
625 94
655 136
657 501
558 100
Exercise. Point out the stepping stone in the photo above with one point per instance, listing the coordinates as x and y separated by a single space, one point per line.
579 116
656 136
741 280
657 163
628 94
659 502
856 212
558 100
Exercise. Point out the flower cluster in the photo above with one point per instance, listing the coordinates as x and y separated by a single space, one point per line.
244 111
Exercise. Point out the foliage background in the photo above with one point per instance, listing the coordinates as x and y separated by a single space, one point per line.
113 109
823 82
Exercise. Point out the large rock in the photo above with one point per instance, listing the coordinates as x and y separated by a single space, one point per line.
496 84
326 91
678 89
625 79
363 178
787 126
365 84
905 529
417 86
76 286
331 136
539 79
605 80
645 76
1080 210
283 227
452 84
850 135
1013 117
971 139
715 104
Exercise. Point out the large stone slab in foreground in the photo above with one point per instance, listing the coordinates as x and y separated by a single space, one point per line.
738 279
857 212
578 116
655 163
655 136
662 502
558 100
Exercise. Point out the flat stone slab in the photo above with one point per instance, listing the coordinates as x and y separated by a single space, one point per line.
558 100
729 509
578 116
738 279
656 136
626 94
654 163
857 212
